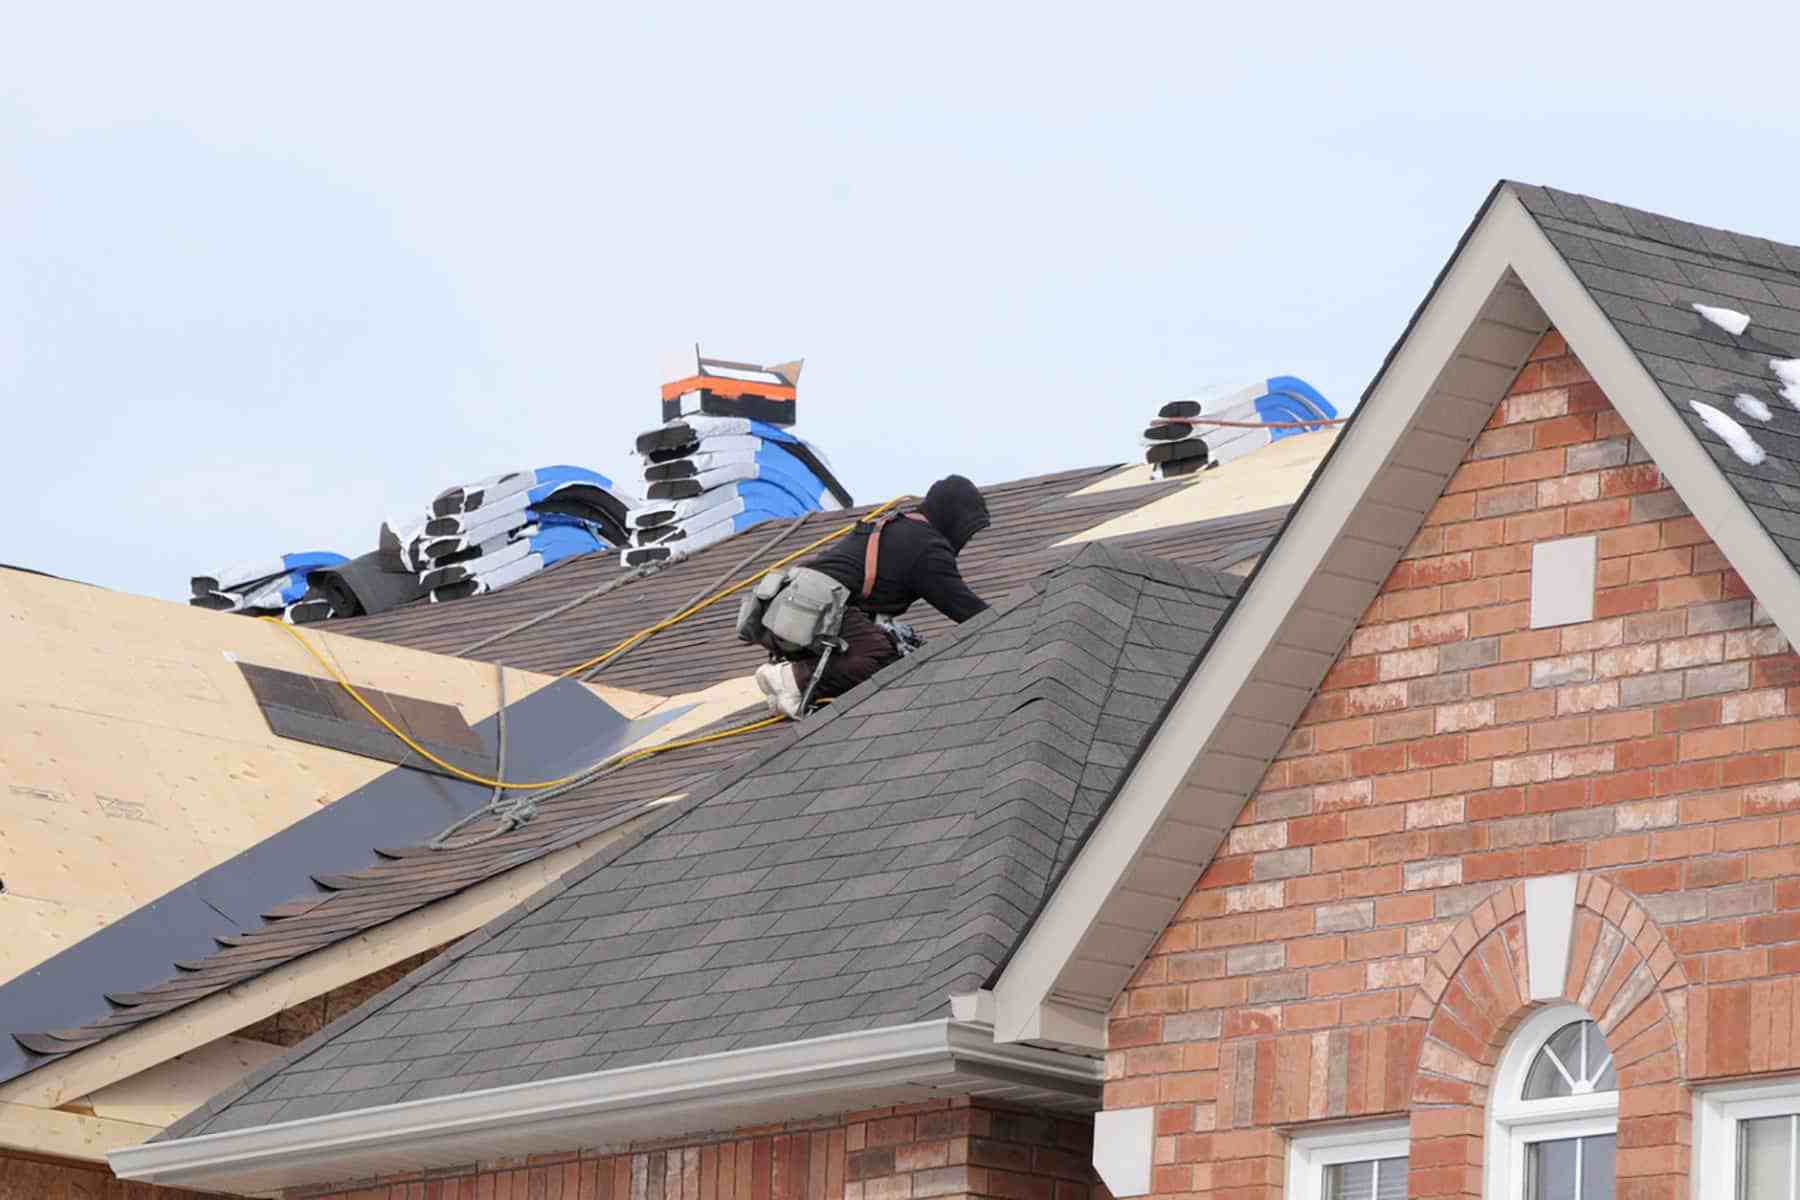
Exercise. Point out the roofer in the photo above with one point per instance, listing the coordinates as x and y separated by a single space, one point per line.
828 625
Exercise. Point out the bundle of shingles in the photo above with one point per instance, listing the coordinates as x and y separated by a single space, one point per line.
276 587
473 538
1223 423
724 460
480 537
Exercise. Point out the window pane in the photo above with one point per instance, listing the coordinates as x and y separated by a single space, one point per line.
1544 1080
1764 1147
1391 1184
1598 1167
1550 1170
1350 1181
1557 1065
1383 1179
1574 1062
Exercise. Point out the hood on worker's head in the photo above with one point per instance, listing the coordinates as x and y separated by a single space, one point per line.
955 508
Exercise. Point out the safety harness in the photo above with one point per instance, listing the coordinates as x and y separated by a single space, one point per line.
906 639
800 610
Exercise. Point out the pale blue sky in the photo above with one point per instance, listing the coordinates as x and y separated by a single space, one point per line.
269 275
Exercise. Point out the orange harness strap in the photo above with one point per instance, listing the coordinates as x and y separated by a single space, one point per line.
873 551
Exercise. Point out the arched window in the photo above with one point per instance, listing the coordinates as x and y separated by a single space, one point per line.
1554 1112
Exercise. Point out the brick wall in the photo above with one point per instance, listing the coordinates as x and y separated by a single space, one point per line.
1356 948
944 1149
32 1177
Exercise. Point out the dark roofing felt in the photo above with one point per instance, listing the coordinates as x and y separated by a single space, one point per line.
887 853
1647 272
1030 516
190 942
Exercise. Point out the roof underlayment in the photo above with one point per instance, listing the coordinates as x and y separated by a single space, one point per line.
128 719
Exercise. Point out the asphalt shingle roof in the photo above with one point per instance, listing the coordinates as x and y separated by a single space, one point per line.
1031 516
886 854
1646 272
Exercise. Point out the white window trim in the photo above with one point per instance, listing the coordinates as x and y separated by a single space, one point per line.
1717 1112
1310 1153
1514 1124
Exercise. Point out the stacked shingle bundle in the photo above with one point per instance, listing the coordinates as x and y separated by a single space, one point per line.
723 461
474 538
479 537
1239 420
277 587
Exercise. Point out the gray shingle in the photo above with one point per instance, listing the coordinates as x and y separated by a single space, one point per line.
1646 271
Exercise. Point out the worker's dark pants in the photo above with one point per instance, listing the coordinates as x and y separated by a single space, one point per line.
870 650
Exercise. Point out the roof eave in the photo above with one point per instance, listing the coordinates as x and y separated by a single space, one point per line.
1505 284
791 1081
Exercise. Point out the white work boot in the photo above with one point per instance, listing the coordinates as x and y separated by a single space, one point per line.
781 691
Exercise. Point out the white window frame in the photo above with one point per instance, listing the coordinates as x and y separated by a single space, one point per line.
1309 1153
1717 1112
1513 1123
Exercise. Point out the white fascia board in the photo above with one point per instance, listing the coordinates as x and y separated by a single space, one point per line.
695 1094
1132 819
1065 1027
1653 419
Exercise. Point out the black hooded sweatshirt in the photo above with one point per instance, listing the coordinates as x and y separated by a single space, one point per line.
917 559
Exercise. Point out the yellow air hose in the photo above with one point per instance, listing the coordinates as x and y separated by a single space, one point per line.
713 599
616 760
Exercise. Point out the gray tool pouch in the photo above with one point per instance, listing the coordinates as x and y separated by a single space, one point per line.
807 612
755 603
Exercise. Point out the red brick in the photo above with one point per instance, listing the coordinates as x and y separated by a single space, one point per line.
1564 794
1630 480
1619 601
1564 431
1437 751
1540 464
1690 714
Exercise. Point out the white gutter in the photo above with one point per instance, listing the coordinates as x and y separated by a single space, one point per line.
714 1092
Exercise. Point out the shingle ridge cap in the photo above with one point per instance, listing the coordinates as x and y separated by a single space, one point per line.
1140 564
1654 238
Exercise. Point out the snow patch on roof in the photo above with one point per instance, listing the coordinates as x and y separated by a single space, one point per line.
1729 319
1750 406
1733 434
1788 371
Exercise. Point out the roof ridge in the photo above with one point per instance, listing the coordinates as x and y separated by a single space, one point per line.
1728 244
1002 891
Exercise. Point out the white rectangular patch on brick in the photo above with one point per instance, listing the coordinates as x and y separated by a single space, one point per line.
1124 1147
1549 925
1562 581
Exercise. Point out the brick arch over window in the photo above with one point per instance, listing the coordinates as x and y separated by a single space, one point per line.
1478 989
